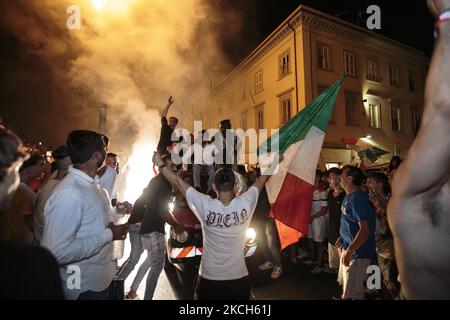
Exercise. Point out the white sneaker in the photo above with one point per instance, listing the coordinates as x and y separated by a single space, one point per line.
276 273
266 266
316 270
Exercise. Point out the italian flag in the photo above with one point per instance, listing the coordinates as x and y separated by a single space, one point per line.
290 190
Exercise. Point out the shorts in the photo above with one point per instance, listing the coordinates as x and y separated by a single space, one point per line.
353 277
318 229
334 257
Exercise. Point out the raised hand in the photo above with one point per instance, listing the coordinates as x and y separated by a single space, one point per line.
170 101
438 6
157 160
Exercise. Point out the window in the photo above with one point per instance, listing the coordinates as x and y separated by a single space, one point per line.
219 107
258 81
412 81
415 122
244 120
349 64
284 67
243 92
394 76
374 116
372 70
259 117
322 88
285 110
324 56
395 116
330 165
230 101
353 103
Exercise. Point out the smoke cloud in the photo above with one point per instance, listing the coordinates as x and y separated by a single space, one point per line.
130 57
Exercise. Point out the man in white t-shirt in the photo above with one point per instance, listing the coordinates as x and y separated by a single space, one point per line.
318 228
223 273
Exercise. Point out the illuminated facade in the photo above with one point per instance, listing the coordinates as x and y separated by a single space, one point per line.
381 100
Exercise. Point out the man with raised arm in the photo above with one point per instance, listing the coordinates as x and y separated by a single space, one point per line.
418 210
223 273
167 128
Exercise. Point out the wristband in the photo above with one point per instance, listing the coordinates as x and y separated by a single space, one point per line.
443 18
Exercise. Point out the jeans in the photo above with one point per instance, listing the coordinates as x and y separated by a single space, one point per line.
270 243
135 253
155 244
197 170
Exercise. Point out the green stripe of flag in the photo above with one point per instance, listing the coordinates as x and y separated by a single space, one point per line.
317 113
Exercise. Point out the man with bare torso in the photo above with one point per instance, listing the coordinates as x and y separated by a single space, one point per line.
418 211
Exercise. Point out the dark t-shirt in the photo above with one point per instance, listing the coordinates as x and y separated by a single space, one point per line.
165 137
334 215
355 208
157 196
28 273
229 154
263 207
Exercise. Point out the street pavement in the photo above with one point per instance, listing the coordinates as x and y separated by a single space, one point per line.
296 282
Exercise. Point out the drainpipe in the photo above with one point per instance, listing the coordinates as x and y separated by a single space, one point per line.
295 64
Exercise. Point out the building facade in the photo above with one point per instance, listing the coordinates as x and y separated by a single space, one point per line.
380 102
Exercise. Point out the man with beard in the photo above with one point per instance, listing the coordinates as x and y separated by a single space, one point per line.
78 229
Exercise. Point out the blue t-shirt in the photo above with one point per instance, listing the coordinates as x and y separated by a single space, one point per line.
355 208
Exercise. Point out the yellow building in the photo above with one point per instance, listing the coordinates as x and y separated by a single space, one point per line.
380 101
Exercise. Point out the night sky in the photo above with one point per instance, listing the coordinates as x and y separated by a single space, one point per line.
26 83
409 22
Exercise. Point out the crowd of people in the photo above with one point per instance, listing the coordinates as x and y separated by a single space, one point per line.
60 222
